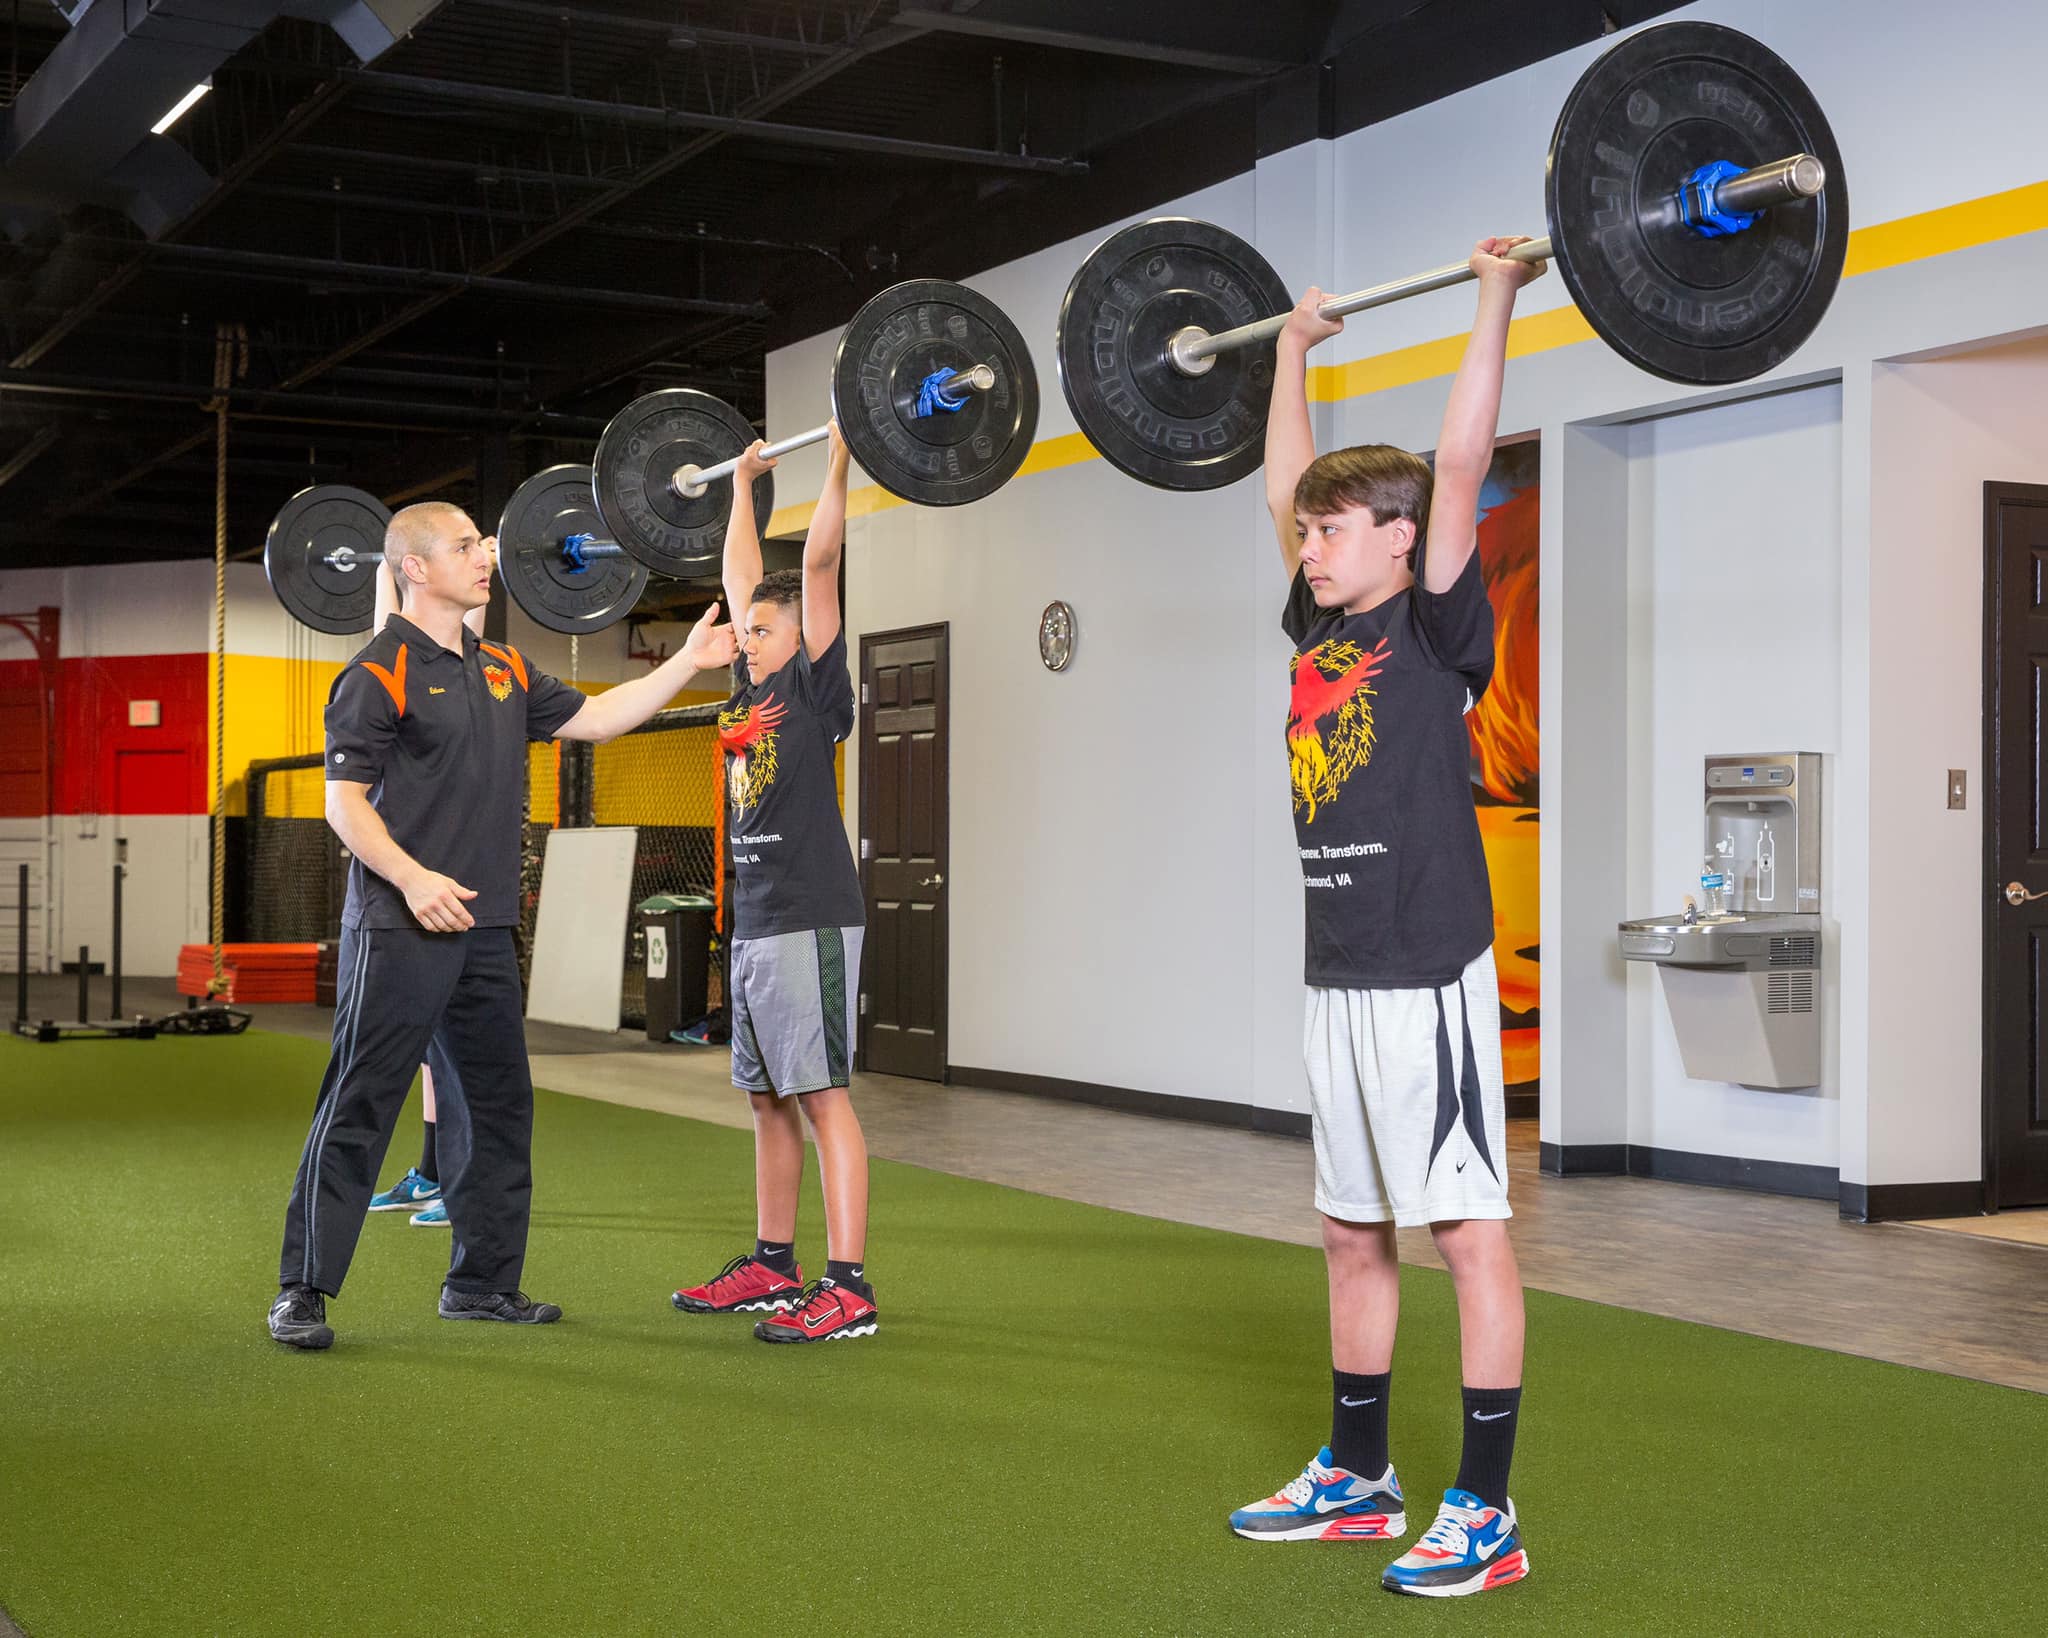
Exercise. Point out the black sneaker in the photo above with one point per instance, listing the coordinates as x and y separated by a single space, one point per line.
512 1307
298 1318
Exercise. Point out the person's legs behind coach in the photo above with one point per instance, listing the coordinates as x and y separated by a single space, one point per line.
485 1135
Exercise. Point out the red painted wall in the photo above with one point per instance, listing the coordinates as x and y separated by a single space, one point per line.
92 730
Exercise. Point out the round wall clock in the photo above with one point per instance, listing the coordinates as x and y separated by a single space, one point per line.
1056 636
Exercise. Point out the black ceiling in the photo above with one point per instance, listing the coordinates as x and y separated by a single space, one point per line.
451 264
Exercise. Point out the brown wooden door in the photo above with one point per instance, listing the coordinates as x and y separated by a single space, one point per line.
2015 845
903 854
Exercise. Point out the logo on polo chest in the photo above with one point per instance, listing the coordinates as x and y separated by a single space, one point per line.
499 680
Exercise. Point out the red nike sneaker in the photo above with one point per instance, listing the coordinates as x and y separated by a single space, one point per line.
823 1312
743 1286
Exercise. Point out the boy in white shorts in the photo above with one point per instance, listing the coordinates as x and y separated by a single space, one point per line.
797 922
1393 645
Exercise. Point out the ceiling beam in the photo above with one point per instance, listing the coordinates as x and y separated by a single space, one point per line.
372 80
927 17
390 277
290 403
384 205
19 461
474 169
694 33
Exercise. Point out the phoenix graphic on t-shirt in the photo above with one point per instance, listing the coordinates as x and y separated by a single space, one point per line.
748 737
500 680
1332 684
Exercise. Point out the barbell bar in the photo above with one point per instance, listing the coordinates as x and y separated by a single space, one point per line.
1716 200
1696 212
934 392
942 392
325 543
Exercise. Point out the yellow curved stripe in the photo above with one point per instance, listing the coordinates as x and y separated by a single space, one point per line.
1930 233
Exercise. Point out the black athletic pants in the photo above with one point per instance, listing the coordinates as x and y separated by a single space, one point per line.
453 999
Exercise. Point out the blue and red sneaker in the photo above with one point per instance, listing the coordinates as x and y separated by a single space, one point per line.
1470 1548
1326 1503
743 1286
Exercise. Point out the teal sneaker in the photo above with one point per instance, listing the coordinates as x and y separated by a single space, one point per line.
435 1216
409 1193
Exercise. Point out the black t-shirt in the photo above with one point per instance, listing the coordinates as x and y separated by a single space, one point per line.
440 739
789 853
1398 896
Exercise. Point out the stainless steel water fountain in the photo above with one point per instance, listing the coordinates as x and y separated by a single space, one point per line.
1744 986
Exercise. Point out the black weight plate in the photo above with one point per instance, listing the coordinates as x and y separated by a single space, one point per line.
914 330
1133 294
1642 118
543 512
315 524
642 447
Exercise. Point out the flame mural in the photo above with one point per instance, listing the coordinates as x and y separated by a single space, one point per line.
1504 749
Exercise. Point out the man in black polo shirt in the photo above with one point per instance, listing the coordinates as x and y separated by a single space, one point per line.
426 775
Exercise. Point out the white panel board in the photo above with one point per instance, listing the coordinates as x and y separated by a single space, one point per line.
579 938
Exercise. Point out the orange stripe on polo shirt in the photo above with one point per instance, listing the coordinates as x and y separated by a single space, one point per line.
393 680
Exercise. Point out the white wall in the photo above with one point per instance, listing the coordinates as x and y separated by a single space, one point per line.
1735 648
1939 430
1134 770
166 897
1931 108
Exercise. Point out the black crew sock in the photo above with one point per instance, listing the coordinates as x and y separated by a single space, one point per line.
778 1255
429 1166
1490 1418
851 1275
1358 1422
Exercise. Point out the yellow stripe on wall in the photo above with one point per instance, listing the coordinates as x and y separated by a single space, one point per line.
1954 227
274 708
1931 233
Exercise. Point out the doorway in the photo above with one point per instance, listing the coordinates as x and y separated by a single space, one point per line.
903 851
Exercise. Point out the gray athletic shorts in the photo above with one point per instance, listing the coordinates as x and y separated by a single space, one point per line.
794 1001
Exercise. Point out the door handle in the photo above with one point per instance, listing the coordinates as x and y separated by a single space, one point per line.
940 881
2016 895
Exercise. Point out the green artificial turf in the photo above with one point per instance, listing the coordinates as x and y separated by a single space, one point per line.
1061 1406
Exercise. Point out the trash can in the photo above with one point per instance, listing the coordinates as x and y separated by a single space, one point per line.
678 935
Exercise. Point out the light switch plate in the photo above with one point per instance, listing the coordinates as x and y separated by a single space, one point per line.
1958 789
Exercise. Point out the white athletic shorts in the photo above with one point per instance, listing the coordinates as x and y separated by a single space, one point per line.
1407 1102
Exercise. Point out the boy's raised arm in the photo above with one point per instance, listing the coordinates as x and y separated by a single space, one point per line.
1464 449
1290 440
822 547
741 569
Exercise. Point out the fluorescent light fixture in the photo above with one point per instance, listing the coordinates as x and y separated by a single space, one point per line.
178 108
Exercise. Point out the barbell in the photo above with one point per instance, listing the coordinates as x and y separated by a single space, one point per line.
324 546
1697 213
933 388
935 395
